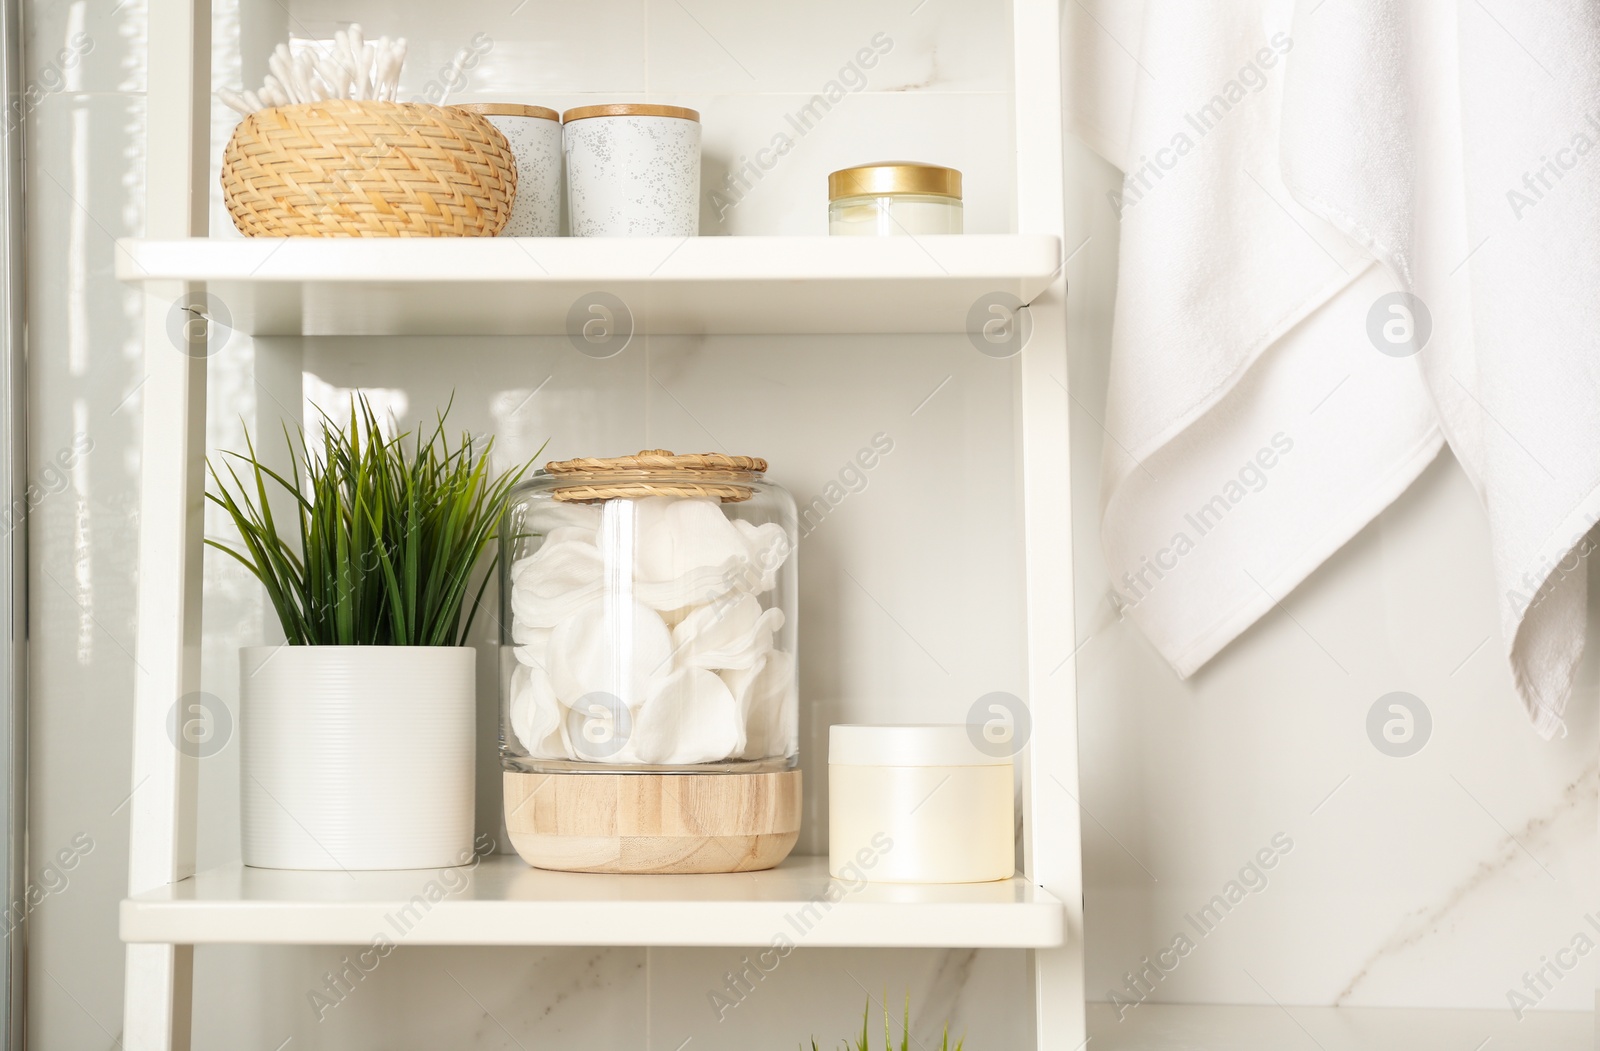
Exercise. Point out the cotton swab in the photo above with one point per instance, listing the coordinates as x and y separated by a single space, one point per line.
399 64
234 102
305 83
333 74
380 68
278 64
273 93
352 68
361 63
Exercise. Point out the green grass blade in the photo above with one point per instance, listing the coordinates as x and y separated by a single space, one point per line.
390 530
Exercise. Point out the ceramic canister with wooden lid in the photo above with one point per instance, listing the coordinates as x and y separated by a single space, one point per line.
534 133
633 170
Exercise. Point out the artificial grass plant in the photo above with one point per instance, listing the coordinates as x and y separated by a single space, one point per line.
862 1044
386 537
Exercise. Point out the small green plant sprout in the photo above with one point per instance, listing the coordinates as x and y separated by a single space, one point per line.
861 1043
386 532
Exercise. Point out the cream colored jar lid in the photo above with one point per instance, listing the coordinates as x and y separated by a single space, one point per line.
508 109
911 744
629 109
883 178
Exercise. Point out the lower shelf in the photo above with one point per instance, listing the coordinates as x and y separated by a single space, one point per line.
1213 1027
502 901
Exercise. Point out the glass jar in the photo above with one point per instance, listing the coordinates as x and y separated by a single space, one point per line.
648 613
894 198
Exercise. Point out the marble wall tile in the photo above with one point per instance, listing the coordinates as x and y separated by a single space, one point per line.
700 998
1166 1027
533 46
749 185
419 998
726 47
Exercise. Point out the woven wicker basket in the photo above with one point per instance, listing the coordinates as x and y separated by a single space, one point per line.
343 168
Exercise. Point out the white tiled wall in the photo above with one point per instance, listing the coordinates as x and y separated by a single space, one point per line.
1434 880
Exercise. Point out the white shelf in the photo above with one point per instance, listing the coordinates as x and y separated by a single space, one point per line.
1269 1027
517 286
504 902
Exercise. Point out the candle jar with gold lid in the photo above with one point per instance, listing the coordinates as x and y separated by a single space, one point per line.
894 198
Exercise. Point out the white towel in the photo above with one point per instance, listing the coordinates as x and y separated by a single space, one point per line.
1288 165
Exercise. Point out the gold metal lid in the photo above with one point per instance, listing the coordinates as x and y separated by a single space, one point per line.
508 109
629 109
890 177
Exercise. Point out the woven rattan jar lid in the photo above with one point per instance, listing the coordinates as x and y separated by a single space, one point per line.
655 472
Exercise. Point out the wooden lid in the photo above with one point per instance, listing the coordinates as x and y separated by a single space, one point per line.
658 460
508 109
655 472
629 109
890 177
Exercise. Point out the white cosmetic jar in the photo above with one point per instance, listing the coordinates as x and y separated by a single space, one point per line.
633 170
917 804
534 133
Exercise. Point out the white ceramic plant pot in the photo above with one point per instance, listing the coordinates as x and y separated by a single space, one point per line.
357 757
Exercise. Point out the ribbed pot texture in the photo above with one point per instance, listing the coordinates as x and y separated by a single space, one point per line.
357 757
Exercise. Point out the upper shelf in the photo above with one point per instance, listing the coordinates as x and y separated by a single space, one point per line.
537 286
504 902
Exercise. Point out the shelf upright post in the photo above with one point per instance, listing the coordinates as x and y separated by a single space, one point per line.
1052 850
157 985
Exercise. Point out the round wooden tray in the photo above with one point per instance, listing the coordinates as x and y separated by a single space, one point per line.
657 823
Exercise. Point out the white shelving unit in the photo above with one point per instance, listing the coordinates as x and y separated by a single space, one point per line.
712 285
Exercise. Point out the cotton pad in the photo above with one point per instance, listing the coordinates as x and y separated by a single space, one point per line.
610 646
553 583
767 700
732 633
535 715
690 717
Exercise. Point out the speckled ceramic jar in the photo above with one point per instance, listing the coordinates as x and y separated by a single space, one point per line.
535 136
633 170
